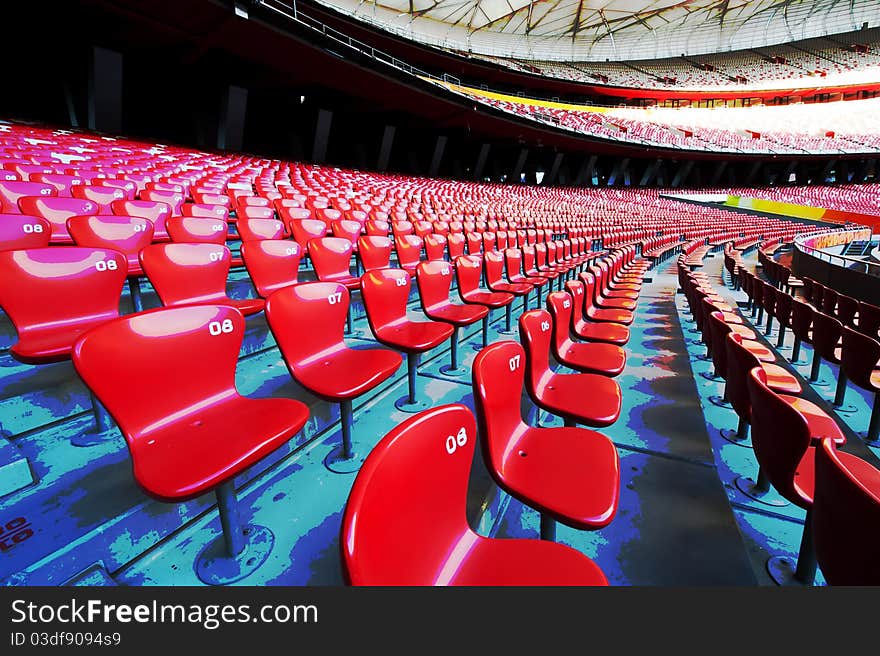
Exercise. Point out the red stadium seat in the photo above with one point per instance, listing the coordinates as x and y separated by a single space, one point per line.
409 251
435 282
56 210
494 265
199 433
845 517
374 252
101 196
12 191
158 214
860 363
197 230
385 293
272 264
126 234
319 360
20 231
595 357
468 273
593 331
405 522
256 229
187 274
570 475
584 398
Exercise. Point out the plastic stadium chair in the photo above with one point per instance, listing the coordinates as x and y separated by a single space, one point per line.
272 264
468 273
589 399
319 360
409 250
405 521
592 331
199 433
493 261
11 192
186 274
52 296
374 252
846 517
595 312
255 229
860 363
20 231
56 211
435 281
570 475
158 213
101 196
197 230
594 357
783 440
386 293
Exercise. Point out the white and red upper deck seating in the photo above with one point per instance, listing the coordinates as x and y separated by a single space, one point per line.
199 433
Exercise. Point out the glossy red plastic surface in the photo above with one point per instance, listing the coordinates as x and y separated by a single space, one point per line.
405 520
256 229
494 264
374 252
435 281
204 211
198 432
53 295
308 322
435 247
409 250
861 359
589 399
571 474
271 263
56 210
101 196
596 358
126 234
19 231
613 333
596 313
331 259
846 517
197 230
385 293
468 274
157 212
184 274
11 191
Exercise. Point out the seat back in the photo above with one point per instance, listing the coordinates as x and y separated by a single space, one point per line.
468 273
435 247
346 229
740 361
718 329
126 234
385 293
250 229
455 245
308 322
187 273
157 212
405 521
262 212
101 196
408 249
826 335
190 353
434 280
197 230
494 264
20 231
498 375
829 301
535 335
374 252
12 191
559 304
783 308
60 285
869 319
780 437
801 319
474 243
271 263
331 257
847 307
859 356
304 230
56 210
846 519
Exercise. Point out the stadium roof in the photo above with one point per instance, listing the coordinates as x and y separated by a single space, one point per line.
585 30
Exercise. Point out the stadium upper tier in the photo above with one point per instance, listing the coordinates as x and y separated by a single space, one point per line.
798 129
845 60
616 30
